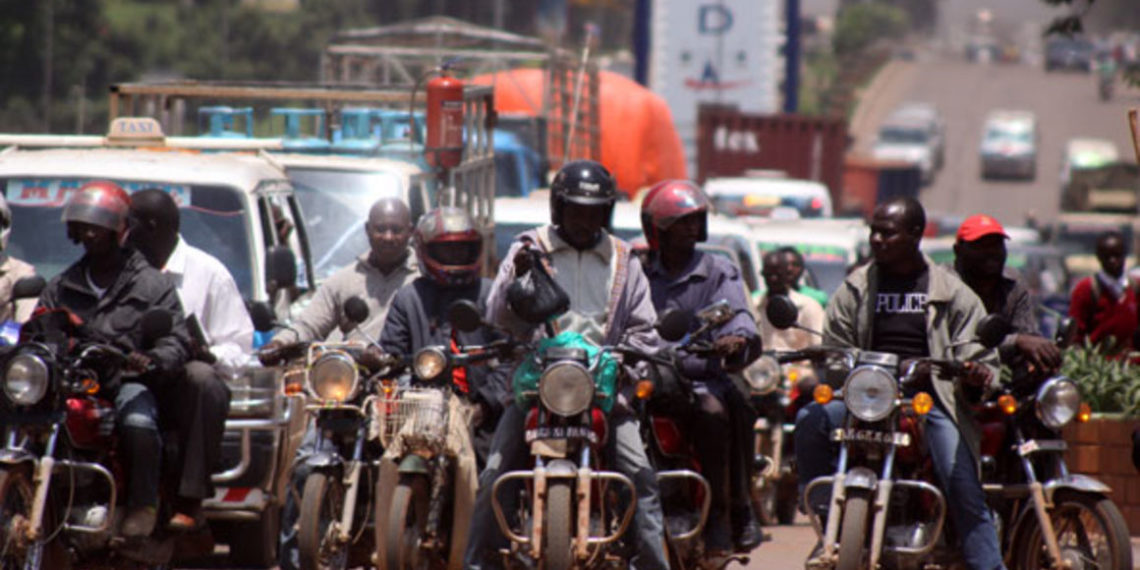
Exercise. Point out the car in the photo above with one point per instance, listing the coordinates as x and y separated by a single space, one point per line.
908 139
1084 154
1009 145
830 247
1065 53
763 195
927 113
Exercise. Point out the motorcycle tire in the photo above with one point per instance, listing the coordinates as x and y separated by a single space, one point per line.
321 505
558 542
853 533
407 521
1071 515
16 494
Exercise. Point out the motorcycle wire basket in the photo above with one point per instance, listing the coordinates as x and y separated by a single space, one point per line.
417 417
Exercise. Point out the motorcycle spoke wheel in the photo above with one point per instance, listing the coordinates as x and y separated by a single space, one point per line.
558 542
321 506
1091 534
407 525
853 533
16 494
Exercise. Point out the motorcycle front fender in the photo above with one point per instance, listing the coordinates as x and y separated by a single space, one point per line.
324 461
860 478
1075 482
413 464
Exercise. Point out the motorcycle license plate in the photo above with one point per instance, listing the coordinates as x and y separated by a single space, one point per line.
561 432
871 436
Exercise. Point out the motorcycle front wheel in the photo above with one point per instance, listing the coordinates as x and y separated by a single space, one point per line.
407 524
1090 531
16 494
321 506
853 533
559 533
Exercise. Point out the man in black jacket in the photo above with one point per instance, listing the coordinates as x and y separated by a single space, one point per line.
110 288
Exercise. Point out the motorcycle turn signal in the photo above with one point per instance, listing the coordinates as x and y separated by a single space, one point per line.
822 394
1008 404
922 403
644 389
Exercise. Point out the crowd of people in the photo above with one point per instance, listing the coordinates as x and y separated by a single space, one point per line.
899 302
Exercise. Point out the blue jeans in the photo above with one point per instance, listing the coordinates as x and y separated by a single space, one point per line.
136 412
627 456
287 554
954 465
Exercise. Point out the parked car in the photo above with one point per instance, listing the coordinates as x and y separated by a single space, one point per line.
907 139
1009 145
761 195
929 115
1063 53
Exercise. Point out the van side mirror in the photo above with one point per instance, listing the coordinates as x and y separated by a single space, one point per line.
28 287
280 268
356 310
673 324
464 316
781 312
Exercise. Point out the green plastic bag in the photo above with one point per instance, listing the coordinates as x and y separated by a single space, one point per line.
525 381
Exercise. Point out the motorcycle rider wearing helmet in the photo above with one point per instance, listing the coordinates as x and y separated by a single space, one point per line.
110 288
449 248
674 217
610 304
11 271
902 303
375 277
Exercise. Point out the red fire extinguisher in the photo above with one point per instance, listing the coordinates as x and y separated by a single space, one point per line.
444 147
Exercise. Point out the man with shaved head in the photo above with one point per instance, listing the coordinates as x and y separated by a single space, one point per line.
222 332
375 277
904 304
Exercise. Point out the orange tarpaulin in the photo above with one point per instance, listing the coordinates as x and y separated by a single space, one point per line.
639 143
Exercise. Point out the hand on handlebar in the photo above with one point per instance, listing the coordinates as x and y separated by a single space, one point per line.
1041 353
273 353
729 345
976 375
139 362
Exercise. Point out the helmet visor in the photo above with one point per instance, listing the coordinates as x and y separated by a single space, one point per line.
454 253
95 214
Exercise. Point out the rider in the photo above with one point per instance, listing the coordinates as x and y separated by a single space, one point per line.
375 278
809 317
674 217
795 261
903 303
1104 306
110 288
583 256
224 338
979 259
449 248
11 271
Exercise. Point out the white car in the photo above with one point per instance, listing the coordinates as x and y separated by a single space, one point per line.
764 195
907 139
928 115
1009 145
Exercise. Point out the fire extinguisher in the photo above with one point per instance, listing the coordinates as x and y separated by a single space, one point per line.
444 147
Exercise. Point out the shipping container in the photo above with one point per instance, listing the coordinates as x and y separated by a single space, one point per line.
867 182
730 142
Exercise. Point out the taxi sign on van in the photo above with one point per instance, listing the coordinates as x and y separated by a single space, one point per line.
135 131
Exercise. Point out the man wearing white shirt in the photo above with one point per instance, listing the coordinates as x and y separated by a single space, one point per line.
199 405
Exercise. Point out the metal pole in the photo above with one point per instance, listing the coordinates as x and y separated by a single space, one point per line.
578 92
792 58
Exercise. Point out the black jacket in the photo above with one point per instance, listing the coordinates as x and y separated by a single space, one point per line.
114 319
418 318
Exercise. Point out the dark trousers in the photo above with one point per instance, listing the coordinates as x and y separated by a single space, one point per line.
196 407
136 413
723 426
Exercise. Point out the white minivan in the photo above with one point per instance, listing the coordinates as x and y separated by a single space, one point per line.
765 196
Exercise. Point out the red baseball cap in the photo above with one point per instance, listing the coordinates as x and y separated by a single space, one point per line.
979 226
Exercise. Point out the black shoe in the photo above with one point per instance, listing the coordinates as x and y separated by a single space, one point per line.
749 536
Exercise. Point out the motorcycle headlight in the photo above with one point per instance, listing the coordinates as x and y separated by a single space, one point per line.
333 377
763 375
25 379
429 363
870 393
566 388
1058 401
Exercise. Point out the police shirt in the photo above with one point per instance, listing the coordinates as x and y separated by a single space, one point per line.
900 315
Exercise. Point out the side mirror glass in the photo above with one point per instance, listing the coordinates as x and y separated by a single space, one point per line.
991 330
356 310
262 316
280 268
781 312
673 324
28 287
1067 332
716 314
155 324
464 316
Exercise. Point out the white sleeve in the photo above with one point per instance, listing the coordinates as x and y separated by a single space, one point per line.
227 323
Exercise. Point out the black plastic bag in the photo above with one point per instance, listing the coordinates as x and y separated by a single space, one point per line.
534 296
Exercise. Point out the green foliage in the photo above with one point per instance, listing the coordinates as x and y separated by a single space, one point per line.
1107 384
858 26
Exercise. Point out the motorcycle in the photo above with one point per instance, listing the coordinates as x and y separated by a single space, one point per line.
776 392
60 473
426 503
1048 517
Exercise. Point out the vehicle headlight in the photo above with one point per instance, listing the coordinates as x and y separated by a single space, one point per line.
870 393
429 363
566 388
333 377
25 379
1058 401
763 375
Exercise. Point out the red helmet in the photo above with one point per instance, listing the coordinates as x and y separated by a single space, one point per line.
449 246
99 203
668 201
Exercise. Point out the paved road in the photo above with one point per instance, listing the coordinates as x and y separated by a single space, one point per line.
1066 106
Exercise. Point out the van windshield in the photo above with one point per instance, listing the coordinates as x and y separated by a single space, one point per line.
336 204
902 135
212 219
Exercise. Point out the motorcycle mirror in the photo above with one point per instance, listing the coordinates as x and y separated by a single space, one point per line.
1067 332
262 315
28 287
716 314
781 312
991 330
356 310
464 316
673 324
155 324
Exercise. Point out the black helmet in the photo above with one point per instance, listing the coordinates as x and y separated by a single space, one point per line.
583 182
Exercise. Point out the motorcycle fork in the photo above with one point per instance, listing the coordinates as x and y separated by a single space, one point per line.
1040 505
43 472
439 483
352 485
879 507
838 494
585 475
538 508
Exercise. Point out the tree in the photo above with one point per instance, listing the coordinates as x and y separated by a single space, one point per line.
858 26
